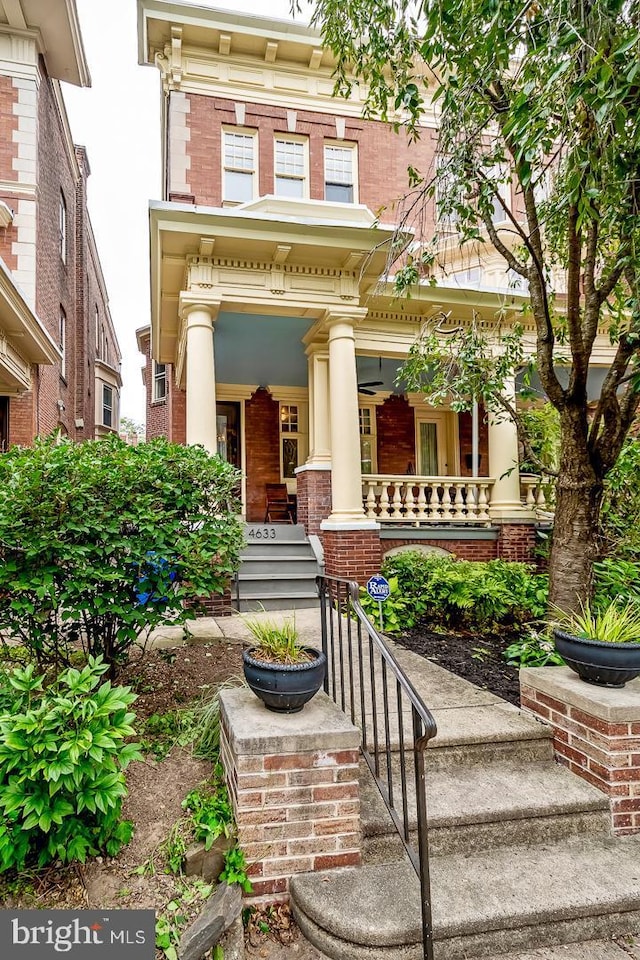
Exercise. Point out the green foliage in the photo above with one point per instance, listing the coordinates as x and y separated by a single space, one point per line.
235 869
277 642
173 919
397 610
62 761
102 541
616 581
612 624
204 720
163 731
533 649
621 504
467 593
211 813
542 426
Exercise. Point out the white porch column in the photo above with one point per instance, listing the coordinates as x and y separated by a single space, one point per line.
200 374
319 414
346 479
503 464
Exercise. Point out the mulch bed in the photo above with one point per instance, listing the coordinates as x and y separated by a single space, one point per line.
476 657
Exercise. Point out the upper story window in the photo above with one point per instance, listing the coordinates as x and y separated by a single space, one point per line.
291 167
339 174
107 406
159 387
98 328
63 344
239 166
62 228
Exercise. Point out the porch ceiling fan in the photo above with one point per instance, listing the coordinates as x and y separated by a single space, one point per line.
364 387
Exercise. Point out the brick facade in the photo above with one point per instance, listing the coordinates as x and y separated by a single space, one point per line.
462 549
262 438
595 735
354 554
294 790
314 499
466 444
517 542
396 436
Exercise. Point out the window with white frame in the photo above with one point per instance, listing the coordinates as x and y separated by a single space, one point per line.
290 437
107 406
502 198
97 326
367 418
63 343
339 173
239 166
62 228
291 167
159 381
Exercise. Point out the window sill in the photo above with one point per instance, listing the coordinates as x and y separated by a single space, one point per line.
158 403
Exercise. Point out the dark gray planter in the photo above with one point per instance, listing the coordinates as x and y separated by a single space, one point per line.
605 664
285 687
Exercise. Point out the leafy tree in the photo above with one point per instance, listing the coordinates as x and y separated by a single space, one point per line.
538 98
101 541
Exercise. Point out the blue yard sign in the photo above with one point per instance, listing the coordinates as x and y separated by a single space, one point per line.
378 589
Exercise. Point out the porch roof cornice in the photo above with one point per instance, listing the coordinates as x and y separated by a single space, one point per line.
281 255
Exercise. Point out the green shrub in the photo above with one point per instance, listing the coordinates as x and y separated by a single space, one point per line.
397 610
467 593
616 580
101 541
62 761
533 649
621 504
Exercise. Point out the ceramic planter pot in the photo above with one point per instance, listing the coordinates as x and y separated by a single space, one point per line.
285 687
605 664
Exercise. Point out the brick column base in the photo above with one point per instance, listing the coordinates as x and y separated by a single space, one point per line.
314 497
596 733
293 783
517 542
354 554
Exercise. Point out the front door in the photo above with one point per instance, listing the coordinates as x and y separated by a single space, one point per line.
431 443
228 432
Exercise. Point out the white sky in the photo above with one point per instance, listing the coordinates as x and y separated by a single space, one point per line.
118 120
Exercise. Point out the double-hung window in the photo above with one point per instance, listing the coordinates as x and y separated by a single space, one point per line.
159 381
62 228
63 344
367 418
107 406
291 167
339 174
239 166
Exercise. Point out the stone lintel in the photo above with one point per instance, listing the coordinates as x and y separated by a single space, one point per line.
612 705
254 730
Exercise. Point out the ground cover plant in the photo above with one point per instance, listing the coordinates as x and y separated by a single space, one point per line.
102 541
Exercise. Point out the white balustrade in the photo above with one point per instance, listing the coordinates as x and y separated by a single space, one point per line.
535 491
423 500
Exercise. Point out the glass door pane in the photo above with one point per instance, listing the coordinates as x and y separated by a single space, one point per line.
428 449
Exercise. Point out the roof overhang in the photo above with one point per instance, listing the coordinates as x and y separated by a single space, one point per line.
319 236
23 338
58 29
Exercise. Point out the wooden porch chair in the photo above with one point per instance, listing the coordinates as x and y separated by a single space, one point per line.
278 507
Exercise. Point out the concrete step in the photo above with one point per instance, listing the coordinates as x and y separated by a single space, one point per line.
485 903
277 552
262 533
290 586
276 568
303 602
481 807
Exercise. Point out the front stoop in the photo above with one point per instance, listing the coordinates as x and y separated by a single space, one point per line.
278 569
521 855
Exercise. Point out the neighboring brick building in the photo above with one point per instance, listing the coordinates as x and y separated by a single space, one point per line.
59 356
273 340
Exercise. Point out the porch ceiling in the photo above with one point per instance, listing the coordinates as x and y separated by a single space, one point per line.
276 354
311 234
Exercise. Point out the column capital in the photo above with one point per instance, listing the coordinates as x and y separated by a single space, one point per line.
350 315
189 304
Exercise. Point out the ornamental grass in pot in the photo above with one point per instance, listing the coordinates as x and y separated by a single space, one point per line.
284 673
602 647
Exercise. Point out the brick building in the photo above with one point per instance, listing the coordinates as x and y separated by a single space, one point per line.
59 356
273 340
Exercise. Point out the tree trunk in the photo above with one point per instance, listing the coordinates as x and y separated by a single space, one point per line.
575 543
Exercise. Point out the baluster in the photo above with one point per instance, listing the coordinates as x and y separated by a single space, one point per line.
397 501
436 505
371 499
483 513
459 502
409 501
541 501
448 498
422 502
384 502
530 500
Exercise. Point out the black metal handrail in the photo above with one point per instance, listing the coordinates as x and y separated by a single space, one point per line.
342 616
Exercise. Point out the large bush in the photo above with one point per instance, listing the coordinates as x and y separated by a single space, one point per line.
621 504
467 593
101 541
62 757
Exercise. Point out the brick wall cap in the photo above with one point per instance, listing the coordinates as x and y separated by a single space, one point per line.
614 705
339 525
254 730
325 467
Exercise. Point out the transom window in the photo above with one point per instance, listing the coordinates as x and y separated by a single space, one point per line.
239 166
339 179
291 168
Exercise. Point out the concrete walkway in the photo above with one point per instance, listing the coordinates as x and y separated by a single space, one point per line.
451 699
